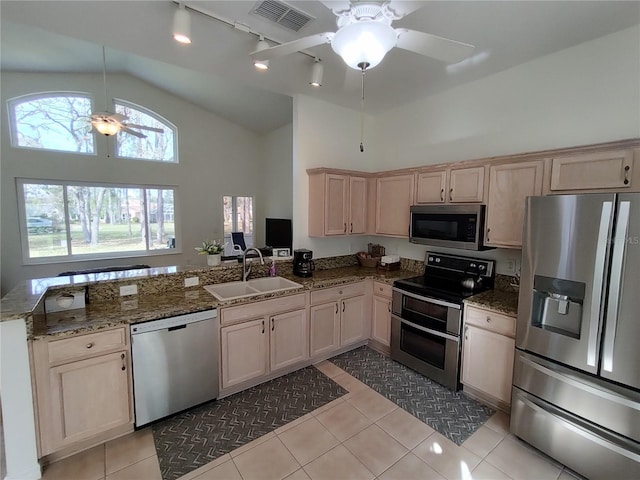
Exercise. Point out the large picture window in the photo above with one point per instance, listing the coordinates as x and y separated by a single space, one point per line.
238 217
52 121
68 220
156 146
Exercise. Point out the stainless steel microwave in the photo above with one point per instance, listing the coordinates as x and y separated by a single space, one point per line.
451 226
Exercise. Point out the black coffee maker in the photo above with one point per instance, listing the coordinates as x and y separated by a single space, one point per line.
303 266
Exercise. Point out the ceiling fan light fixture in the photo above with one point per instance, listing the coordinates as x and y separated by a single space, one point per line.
105 127
364 42
317 72
182 25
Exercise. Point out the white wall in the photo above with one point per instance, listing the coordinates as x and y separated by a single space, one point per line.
324 135
216 158
586 94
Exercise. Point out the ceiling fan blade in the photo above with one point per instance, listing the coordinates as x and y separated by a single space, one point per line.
143 127
132 132
337 6
443 49
292 47
402 9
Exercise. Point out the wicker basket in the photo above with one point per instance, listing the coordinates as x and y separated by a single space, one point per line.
369 262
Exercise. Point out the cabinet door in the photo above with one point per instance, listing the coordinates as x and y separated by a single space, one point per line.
509 186
325 328
431 187
592 171
487 362
393 201
289 340
466 185
336 201
381 317
357 205
353 321
89 397
244 351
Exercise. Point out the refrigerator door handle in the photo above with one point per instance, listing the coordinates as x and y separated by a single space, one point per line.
598 278
617 260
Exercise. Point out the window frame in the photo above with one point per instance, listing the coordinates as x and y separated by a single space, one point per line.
70 257
234 214
159 118
13 128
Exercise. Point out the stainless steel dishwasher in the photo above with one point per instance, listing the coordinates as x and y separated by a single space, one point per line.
175 364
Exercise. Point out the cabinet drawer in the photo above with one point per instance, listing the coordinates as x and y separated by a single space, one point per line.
336 293
84 346
262 308
489 320
382 289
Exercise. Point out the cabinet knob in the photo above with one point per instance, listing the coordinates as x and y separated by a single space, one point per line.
351 228
124 367
273 326
442 195
336 308
626 174
89 345
488 319
488 230
262 326
343 304
451 195
345 228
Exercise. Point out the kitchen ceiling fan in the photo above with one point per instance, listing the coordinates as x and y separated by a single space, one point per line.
108 123
365 35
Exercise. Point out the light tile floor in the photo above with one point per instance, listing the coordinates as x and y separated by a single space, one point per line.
361 435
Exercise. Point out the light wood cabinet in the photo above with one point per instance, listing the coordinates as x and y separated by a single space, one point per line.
453 185
339 316
263 344
487 355
381 314
509 186
83 389
324 323
611 170
244 352
337 204
393 202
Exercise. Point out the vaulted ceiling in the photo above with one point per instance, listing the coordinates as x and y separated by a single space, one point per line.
216 72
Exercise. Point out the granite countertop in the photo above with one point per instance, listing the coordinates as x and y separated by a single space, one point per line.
140 308
498 300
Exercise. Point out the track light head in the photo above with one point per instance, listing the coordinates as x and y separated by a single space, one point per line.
261 64
316 74
182 25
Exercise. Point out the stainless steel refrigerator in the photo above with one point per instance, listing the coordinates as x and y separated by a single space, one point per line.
576 385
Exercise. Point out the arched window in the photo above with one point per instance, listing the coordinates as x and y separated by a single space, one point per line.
155 146
52 121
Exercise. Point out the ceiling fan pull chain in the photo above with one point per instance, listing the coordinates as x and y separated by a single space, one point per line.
363 66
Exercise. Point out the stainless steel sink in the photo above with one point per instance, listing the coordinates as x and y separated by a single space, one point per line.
257 286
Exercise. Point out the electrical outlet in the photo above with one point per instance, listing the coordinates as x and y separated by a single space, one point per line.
128 290
191 282
511 266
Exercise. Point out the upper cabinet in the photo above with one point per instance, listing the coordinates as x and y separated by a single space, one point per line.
509 186
462 185
337 204
612 170
394 197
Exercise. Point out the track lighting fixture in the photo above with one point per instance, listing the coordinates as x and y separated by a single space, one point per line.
261 64
316 73
182 25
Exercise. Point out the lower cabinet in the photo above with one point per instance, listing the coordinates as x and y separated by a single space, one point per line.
487 355
381 314
256 347
339 316
83 386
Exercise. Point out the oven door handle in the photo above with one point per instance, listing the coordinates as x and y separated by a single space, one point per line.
426 299
428 330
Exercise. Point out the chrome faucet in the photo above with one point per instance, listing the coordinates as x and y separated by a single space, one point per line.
246 271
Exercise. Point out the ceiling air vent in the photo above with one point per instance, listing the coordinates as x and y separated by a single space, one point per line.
282 14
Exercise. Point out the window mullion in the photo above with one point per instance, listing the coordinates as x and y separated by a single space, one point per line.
67 218
234 214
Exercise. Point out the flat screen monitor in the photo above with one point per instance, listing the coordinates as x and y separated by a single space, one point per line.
278 233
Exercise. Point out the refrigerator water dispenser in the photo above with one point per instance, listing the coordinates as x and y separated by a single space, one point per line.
557 305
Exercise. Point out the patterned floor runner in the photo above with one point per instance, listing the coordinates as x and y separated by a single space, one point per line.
194 438
453 414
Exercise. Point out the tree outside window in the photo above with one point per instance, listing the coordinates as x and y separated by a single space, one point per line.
101 221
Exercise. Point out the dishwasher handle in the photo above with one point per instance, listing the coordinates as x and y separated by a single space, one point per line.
172 323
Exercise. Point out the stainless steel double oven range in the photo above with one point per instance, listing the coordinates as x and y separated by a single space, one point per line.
426 319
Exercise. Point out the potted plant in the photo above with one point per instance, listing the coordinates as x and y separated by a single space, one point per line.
213 250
